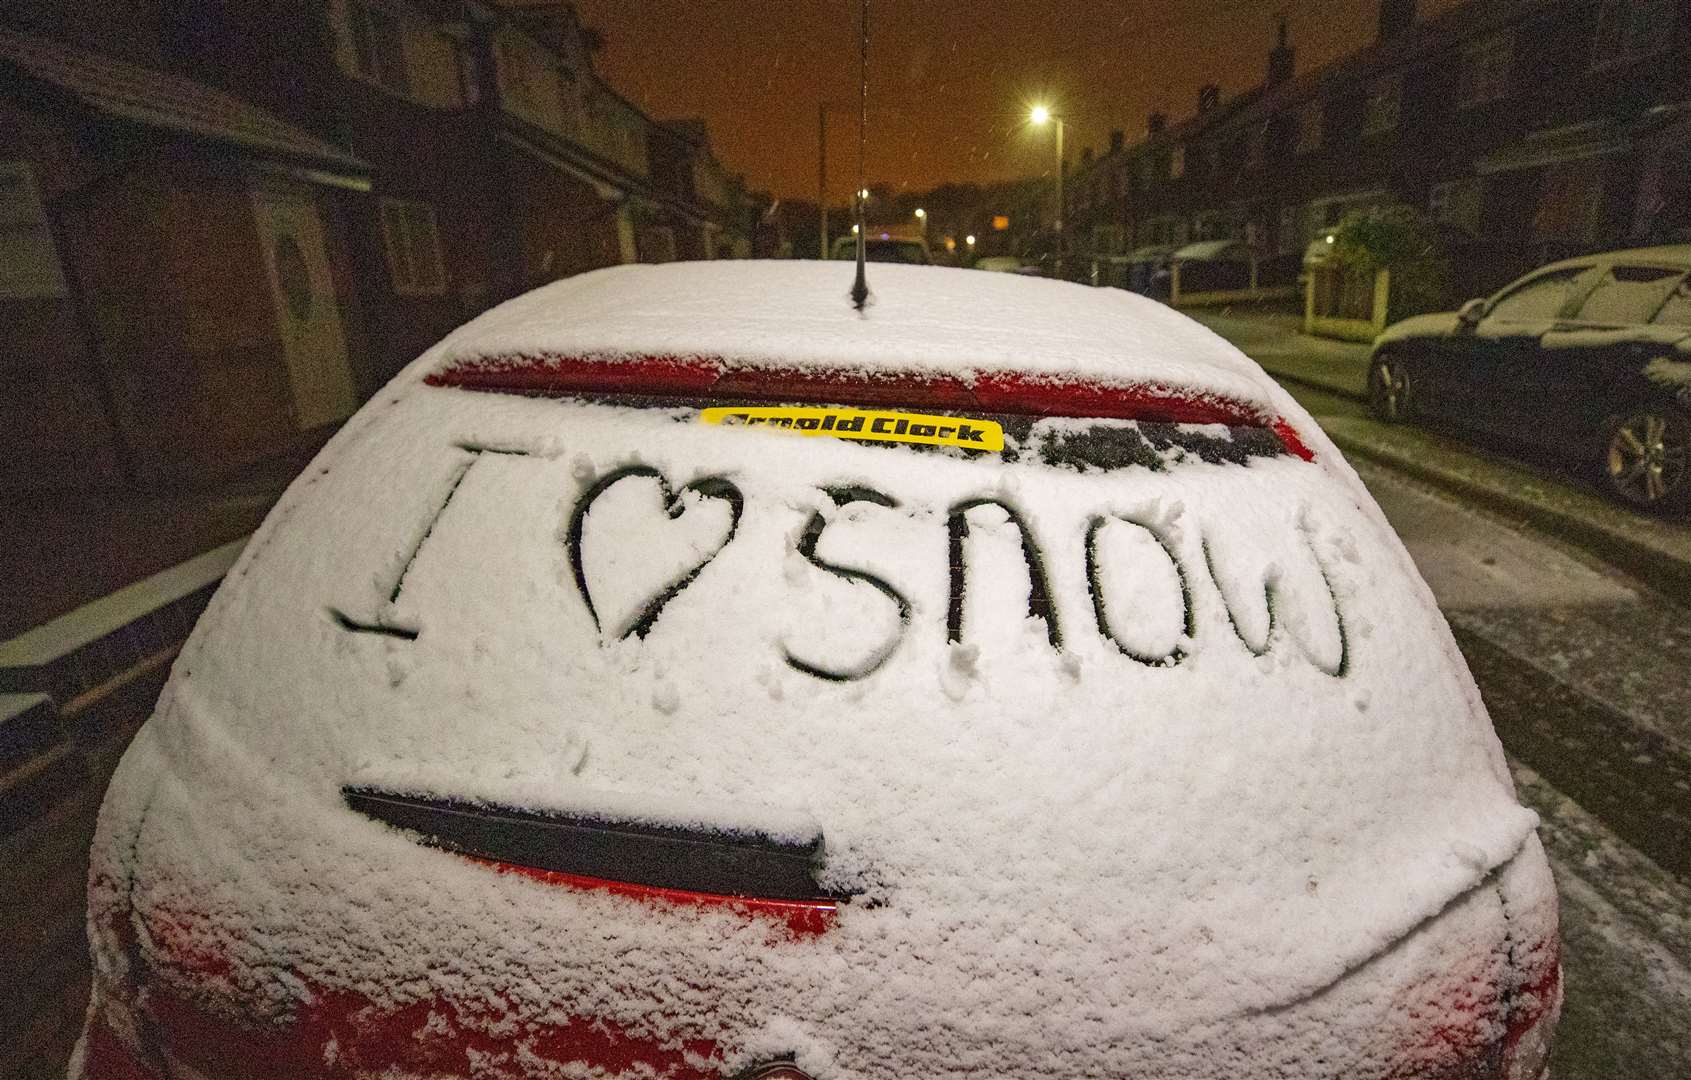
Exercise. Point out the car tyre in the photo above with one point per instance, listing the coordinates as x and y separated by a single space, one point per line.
1389 388
1647 459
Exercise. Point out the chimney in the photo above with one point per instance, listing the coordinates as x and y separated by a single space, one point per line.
1208 97
1396 16
1157 124
1280 58
1118 139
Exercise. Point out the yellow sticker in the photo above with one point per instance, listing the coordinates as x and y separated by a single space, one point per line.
875 425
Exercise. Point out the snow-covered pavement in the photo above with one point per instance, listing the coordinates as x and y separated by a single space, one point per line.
1626 947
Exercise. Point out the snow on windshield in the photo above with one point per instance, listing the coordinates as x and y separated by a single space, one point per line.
1189 741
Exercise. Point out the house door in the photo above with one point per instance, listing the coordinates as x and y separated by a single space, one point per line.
307 315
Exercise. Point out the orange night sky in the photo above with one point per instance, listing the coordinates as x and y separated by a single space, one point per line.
949 79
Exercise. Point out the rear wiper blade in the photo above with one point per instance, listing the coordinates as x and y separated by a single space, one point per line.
694 859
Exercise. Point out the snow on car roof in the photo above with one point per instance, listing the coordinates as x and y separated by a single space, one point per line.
1660 254
920 319
1209 249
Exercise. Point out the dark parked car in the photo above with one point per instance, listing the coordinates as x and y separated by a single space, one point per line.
1591 356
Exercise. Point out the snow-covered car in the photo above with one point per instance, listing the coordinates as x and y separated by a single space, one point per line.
1589 358
677 672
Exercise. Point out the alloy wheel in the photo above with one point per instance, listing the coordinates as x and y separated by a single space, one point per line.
1647 457
1388 389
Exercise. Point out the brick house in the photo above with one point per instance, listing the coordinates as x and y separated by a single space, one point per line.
1528 129
500 159
174 295
424 160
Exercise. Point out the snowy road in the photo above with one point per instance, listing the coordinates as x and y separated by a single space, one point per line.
1583 671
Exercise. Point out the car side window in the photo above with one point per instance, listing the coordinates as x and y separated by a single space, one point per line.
1539 299
1677 310
1628 295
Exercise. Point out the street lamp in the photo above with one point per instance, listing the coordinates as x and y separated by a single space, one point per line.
822 110
970 240
1039 116
922 216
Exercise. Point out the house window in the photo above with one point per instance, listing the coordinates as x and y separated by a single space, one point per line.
412 240
1385 102
1486 67
29 263
519 77
569 96
1456 203
1291 235
657 244
469 76
1570 203
378 46
1630 30
1309 127
1256 147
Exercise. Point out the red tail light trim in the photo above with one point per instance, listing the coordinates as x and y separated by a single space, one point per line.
805 917
685 378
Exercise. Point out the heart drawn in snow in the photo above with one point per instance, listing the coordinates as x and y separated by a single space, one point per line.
636 559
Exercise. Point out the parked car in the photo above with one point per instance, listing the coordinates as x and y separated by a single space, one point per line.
1002 264
1212 265
1147 270
885 245
1588 357
677 672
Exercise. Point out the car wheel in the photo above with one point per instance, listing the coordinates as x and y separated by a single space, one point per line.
1388 388
1647 457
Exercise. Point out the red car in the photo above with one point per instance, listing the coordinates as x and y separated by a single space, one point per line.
680 673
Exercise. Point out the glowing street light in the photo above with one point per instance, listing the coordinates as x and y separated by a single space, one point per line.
921 214
970 240
1039 116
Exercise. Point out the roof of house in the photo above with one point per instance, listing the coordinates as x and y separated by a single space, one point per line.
1435 35
144 95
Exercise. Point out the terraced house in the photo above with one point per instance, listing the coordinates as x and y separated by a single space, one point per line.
1527 129
237 219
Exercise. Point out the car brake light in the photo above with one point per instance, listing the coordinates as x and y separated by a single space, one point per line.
105 1056
689 378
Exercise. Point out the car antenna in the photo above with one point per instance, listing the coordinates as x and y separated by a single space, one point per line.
860 287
